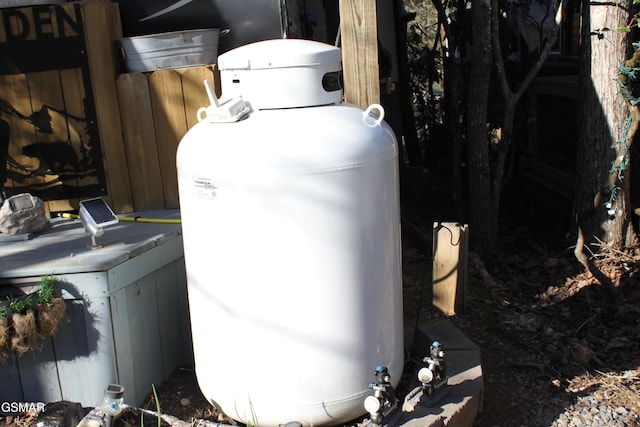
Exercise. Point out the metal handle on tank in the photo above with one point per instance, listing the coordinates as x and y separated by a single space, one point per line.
369 119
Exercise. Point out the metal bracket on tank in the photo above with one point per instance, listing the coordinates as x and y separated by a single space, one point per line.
228 111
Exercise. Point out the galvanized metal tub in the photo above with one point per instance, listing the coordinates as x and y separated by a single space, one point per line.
175 49
22 3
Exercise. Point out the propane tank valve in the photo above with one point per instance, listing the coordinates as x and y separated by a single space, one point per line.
383 401
434 374
227 111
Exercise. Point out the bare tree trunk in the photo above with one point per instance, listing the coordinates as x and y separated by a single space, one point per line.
453 83
482 226
601 201
413 153
606 124
512 96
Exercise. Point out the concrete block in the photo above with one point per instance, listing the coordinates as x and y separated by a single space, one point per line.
462 397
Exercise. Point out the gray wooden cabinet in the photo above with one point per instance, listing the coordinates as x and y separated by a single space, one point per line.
127 317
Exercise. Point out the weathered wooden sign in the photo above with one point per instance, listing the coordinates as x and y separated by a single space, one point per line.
49 139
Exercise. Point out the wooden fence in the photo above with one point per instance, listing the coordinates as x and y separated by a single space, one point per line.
77 128
156 110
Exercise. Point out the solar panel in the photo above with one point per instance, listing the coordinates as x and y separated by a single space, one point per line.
99 211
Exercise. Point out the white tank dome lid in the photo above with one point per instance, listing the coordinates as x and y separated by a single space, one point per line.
280 53
282 73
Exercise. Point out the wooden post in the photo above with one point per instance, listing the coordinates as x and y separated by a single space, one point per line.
102 28
449 266
359 35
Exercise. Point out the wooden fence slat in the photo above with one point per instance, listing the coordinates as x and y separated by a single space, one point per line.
167 289
40 364
195 95
140 141
80 346
45 89
10 386
170 122
74 97
359 35
102 27
14 89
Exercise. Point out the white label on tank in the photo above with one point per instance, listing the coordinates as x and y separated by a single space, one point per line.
204 188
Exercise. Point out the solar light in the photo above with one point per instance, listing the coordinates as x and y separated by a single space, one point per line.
95 214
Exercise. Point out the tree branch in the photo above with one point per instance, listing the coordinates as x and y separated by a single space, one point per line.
544 54
589 264
497 50
442 17
510 96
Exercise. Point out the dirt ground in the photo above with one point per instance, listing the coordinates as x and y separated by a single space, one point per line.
548 333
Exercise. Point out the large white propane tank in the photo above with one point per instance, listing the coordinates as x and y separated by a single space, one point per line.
291 227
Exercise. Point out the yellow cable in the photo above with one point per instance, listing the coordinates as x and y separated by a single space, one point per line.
150 220
131 219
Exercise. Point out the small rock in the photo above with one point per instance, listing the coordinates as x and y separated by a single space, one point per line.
582 354
185 402
621 410
617 343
